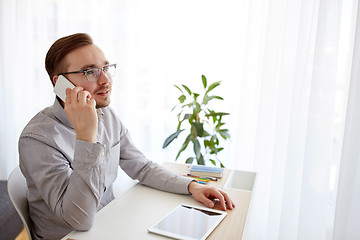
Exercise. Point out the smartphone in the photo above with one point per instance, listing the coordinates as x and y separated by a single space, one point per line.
61 85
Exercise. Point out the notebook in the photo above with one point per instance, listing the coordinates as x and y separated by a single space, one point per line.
205 171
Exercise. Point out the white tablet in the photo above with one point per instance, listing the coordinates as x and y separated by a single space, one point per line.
188 222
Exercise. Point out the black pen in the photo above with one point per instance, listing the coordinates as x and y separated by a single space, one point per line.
212 178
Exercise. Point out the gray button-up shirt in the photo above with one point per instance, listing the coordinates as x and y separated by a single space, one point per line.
69 180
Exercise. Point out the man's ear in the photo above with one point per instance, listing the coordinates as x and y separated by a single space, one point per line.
54 79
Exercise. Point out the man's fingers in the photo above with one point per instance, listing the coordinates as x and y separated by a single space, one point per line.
207 202
84 96
92 101
77 95
230 204
207 195
74 94
227 199
68 99
213 192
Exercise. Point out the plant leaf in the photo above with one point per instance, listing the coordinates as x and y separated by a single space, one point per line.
215 140
224 133
182 98
184 146
209 144
197 148
187 116
172 137
212 161
215 97
205 134
201 160
199 129
213 85
196 96
189 160
219 125
204 81
213 113
173 108
178 88
192 117
206 99
216 150
187 89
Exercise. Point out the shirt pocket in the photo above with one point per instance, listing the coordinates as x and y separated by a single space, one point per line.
113 156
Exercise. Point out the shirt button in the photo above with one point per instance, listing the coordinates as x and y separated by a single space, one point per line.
102 153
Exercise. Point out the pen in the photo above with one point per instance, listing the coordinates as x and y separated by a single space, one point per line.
198 178
195 176
212 178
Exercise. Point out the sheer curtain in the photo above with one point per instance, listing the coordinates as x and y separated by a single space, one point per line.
347 216
301 79
285 67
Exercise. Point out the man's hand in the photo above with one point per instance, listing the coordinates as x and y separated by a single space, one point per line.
207 195
80 109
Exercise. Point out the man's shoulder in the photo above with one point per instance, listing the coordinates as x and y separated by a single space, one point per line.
42 124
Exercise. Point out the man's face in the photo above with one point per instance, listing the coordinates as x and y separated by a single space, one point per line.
83 58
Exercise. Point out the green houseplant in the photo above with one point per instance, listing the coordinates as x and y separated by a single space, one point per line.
205 126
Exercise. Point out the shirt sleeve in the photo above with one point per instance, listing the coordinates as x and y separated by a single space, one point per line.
134 163
71 190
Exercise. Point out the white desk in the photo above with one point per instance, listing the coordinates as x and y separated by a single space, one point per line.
129 215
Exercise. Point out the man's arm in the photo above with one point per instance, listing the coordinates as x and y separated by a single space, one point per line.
133 162
73 192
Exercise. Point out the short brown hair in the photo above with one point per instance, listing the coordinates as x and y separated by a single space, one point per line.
53 61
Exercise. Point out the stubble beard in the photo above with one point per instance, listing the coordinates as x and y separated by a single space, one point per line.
103 104
105 101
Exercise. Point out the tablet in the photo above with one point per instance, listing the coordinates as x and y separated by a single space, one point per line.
188 222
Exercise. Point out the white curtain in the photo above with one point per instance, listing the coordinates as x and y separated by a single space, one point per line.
285 67
299 118
347 216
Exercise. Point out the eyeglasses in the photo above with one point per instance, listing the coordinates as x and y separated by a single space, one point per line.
93 74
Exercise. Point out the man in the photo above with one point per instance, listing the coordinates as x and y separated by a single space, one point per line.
70 152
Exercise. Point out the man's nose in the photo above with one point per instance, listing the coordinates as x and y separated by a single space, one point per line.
103 78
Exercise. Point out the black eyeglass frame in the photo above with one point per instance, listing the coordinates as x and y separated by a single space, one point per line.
87 70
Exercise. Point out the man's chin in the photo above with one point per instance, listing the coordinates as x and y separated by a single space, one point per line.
102 104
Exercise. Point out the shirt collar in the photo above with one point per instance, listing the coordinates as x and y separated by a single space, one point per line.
60 114
99 112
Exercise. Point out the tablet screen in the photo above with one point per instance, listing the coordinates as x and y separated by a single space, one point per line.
188 222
